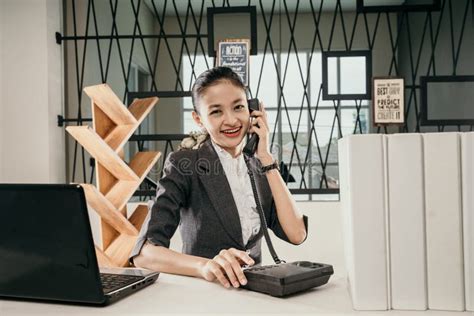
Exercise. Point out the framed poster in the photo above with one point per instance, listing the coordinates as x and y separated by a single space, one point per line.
234 53
388 101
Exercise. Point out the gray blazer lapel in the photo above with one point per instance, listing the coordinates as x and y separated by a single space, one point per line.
213 177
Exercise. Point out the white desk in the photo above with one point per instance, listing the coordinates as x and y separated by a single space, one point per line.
179 295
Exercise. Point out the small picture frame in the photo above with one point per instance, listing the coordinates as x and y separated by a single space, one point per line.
388 101
234 53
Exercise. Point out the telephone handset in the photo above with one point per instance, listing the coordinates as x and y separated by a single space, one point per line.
251 146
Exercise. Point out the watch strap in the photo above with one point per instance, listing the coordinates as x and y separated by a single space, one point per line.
272 166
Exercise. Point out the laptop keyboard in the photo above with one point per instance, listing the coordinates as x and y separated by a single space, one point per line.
112 282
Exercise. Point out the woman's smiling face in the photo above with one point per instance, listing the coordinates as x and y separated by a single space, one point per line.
224 113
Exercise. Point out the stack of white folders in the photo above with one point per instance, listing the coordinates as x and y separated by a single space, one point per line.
408 211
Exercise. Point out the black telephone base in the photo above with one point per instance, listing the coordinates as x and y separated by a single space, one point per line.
287 278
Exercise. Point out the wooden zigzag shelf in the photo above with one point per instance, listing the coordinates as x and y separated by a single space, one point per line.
113 125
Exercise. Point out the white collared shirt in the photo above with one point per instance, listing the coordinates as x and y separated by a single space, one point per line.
236 172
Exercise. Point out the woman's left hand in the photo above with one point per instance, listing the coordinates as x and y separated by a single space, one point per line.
259 125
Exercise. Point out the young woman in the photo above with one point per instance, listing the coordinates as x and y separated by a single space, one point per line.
207 192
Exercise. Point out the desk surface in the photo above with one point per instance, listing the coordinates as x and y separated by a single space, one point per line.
183 295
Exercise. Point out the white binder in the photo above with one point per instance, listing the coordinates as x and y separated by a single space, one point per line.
406 221
467 167
445 273
362 195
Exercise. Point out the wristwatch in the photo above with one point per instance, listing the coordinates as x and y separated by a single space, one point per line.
272 166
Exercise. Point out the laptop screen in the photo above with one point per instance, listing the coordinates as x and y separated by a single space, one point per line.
46 244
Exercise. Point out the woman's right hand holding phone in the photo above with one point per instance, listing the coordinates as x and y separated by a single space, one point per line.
226 267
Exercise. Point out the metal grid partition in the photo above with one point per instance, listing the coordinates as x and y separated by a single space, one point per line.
158 47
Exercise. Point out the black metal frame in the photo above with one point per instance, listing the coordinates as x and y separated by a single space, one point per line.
59 37
361 8
425 121
184 44
62 120
368 74
211 12
131 95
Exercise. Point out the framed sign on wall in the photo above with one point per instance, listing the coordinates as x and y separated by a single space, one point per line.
234 53
388 101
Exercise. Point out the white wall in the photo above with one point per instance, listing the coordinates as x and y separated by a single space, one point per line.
32 146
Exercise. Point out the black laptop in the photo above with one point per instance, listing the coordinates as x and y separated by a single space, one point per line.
47 251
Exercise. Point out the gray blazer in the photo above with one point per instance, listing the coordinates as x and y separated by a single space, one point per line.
194 194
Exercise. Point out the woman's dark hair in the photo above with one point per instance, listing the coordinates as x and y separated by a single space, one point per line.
212 77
